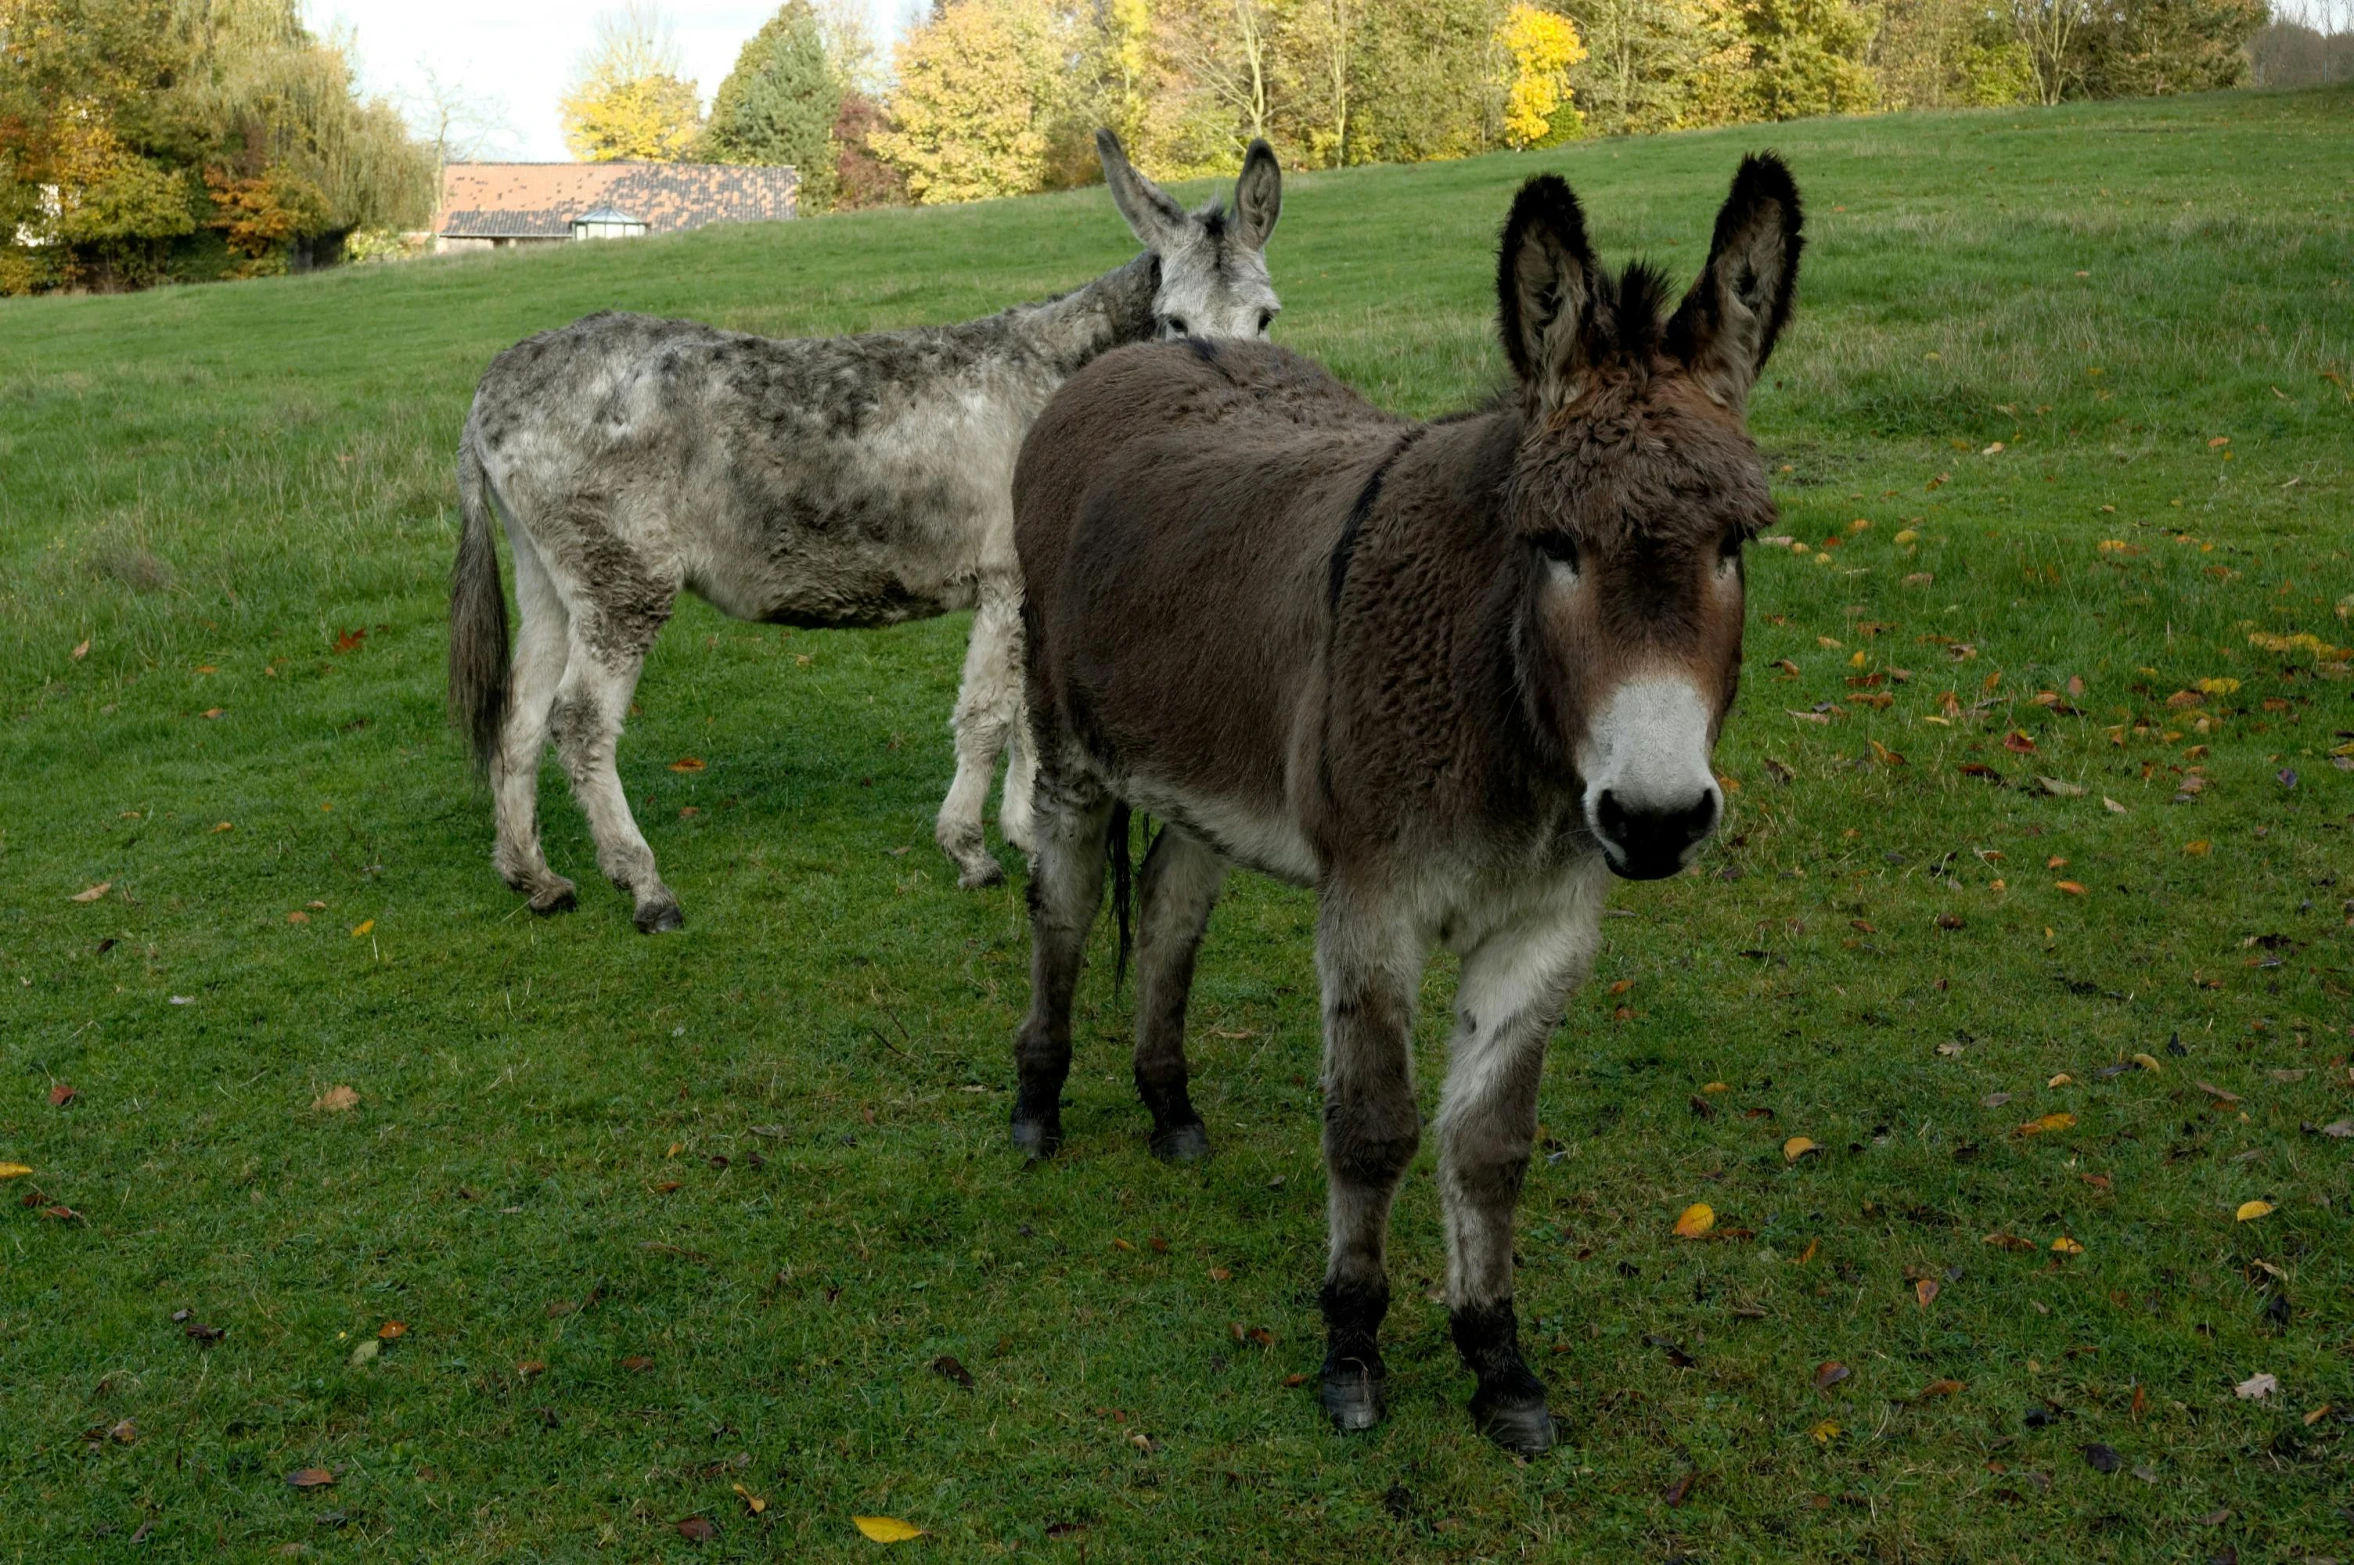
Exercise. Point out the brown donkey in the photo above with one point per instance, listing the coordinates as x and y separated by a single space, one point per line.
1452 675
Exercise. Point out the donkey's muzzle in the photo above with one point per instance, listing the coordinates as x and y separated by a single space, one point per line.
1648 841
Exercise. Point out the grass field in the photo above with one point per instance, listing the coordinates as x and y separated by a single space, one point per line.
672 1222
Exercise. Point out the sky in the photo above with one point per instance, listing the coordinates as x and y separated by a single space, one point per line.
513 58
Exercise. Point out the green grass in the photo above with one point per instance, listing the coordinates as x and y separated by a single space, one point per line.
214 486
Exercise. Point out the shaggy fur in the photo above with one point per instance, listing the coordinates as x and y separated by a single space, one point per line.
1451 675
846 481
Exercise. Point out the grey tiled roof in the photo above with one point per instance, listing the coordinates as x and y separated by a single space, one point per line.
540 200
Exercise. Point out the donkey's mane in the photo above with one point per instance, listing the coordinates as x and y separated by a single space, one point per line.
1630 320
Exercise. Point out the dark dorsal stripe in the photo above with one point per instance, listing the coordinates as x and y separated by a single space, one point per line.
1343 550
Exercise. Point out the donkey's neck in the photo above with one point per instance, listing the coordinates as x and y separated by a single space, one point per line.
1072 330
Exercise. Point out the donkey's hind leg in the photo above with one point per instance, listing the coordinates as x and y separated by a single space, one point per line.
1066 891
1178 888
1507 1005
1017 809
590 705
542 644
988 704
1369 960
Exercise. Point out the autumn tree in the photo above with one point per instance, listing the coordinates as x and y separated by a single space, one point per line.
1539 47
981 87
779 104
627 101
1806 57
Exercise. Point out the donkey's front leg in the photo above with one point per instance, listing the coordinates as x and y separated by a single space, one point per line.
1507 1006
1178 888
1066 889
1367 961
988 703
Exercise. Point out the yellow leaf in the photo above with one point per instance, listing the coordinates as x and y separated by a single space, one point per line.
1907 535
886 1529
2061 1080
335 1100
2251 1210
752 1502
223 826
1698 1218
2071 887
94 893
2036 1127
1826 641
1797 1147
2148 1063
1825 1432
14 1170
362 927
2199 848
2067 1246
1715 1086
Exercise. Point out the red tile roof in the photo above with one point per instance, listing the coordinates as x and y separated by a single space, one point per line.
540 200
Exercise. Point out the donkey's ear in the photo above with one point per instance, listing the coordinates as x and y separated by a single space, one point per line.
1152 216
1258 195
1726 326
1545 289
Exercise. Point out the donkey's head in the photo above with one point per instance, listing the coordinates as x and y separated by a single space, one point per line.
1213 262
1632 492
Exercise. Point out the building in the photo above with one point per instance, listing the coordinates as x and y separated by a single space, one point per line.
488 206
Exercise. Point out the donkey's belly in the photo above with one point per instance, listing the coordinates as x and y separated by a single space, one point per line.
1261 837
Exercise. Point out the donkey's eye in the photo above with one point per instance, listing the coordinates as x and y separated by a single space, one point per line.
1178 328
1728 548
1266 319
1560 548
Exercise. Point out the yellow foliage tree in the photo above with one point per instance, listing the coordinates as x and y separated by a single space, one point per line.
979 86
1541 46
627 102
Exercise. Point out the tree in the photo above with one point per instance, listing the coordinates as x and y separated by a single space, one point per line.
779 104
627 100
1426 79
978 100
1540 47
1318 58
1218 78
2144 48
1932 54
2048 30
1806 57
1656 65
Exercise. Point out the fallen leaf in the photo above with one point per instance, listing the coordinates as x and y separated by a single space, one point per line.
215 713
1941 1388
2103 1458
2148 1062
697 1529
2061 790
886 1529
310 1478
62 1094
687 763
366 1351
2249 1211
2112 806
1797 1147
949 1368
2018 743
637 1363
530 1367
1678 1491
1926 1291
349 641
393 1330
1220 1274
2312 1418
2046 1124
2067 1246
81 650
362 927
1829 1373
15 1170
298 916
2061 1080
2199 848
752 1502
2336 1130
2217 1093
127 1432
2216 1518
1697 1219
1715 1086
202 1335
335 1100
2256 1387
2072 888
1825 1432
1995 1100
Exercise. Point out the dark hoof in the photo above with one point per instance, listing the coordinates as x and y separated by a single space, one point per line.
1353 1398
1181 1143
1037 1138
559 898
1519 1423
979 876
660 918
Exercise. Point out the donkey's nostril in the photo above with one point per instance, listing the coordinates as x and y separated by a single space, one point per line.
1647 841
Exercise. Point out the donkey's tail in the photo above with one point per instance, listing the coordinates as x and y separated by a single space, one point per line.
478 615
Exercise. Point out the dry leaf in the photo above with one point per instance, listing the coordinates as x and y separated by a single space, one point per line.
2257 1387
1697 1219
697 1529
886 1529
2049 1122
2197 849
310 1478
362 927
687 763
2103 1458
15 1170
1678 1491
1829 1373
2061 1080
1220 1274
81 650
298 916
531 1367
2149 1063
2111 805
1926 1290
2007 1241
1941 1388
393 1330
335 1100
94 893
367 1350
62 1094
1825 1432
752 1502
1715 1086
2312 1418
2067 1246
1797 1147
2071 887
2251 1210
637 1363
2217 1093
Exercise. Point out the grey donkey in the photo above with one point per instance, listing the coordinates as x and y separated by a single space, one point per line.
1452 675
843 481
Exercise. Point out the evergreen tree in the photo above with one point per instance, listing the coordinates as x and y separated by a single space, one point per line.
780 103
